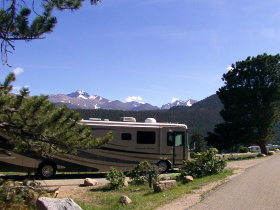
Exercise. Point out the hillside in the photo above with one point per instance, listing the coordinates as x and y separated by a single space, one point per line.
200 117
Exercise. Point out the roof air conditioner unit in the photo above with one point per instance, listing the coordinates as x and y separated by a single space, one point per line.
128 119
150 120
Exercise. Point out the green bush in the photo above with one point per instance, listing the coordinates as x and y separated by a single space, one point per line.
116 178
205 163
21 195
140 174
243 149
193 154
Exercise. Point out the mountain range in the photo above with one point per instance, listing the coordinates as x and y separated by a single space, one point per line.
200 117
82 100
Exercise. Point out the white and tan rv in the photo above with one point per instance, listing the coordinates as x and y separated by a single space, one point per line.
162 144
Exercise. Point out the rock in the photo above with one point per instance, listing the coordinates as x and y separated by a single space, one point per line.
125 200
261 155
164 185
187 179
271 153
125 183
165 177
44 203
90 182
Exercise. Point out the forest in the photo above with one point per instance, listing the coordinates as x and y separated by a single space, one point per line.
201 117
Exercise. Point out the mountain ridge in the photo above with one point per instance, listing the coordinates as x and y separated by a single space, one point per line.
82 100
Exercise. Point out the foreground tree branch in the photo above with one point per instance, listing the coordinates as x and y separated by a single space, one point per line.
16 23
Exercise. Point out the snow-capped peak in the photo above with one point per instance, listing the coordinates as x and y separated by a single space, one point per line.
178 102
79 94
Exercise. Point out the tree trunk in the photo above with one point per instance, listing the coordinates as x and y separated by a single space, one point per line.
262 145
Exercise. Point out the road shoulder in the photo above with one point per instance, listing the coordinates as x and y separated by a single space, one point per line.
189 200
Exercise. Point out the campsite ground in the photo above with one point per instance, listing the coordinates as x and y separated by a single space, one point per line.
74 188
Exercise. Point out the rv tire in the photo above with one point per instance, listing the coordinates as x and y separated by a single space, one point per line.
47 169
164 165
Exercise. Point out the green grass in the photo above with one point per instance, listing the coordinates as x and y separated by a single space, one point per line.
14 173
142 196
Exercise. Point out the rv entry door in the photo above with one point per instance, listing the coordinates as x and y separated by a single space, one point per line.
176 139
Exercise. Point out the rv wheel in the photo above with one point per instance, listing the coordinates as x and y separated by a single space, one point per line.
164 165
47 170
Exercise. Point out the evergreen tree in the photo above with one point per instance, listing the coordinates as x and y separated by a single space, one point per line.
197 142
251 99
33 123
224 137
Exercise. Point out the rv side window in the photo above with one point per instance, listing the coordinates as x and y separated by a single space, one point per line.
178 138
146 137
126 136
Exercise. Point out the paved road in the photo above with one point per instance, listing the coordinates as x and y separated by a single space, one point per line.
257 188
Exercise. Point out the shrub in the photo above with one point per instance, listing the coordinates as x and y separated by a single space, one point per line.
193 154
140 174
243 149
205 163
21 195
116 178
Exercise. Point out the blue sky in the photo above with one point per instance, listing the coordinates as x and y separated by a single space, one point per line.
153 50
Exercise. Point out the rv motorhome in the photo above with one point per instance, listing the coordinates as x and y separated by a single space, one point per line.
257 148
162 144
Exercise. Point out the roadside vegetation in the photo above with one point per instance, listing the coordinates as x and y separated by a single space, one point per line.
142 196
21 194
206 167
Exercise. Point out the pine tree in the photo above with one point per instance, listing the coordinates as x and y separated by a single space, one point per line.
251 99
34 124
197 141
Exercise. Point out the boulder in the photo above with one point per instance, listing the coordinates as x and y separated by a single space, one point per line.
261 155
44 203
270 153
90 182
125 183
164 185
165 177
124 199
187 179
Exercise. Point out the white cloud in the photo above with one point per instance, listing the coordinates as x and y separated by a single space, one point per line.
133 98
174 99
16 89
229 68
18 71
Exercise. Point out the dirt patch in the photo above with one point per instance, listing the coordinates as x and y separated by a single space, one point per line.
77 190
76 193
